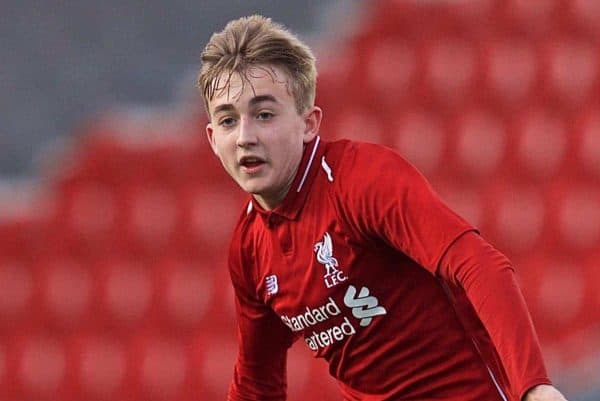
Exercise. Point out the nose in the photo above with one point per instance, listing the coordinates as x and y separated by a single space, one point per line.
246 134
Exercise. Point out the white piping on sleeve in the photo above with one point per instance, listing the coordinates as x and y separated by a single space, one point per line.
500 391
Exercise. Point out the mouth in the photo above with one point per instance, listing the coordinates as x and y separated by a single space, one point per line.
251 164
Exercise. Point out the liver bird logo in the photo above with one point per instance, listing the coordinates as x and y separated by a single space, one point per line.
324 251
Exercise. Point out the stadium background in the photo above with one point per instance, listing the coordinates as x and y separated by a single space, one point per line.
114 216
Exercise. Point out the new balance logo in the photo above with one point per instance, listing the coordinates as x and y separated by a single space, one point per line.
324 250
272 286
364 306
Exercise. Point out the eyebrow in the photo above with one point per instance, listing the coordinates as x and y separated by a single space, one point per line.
253 102
262 98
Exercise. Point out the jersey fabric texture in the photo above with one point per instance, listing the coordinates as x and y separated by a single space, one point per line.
399 294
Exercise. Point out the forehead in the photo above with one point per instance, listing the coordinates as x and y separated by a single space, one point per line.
237 88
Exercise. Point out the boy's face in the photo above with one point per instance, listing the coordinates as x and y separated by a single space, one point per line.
257 133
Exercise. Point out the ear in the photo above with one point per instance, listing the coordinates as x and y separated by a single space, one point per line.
211 138
312 121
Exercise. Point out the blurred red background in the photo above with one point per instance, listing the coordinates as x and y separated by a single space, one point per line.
113 284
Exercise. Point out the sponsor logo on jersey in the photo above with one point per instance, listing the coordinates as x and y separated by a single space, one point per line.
272 286
324 250
312 316
327 337
363 306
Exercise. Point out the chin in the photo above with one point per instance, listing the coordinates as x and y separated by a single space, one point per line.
252 188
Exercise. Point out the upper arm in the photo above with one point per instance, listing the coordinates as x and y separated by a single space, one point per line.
263 341
390 200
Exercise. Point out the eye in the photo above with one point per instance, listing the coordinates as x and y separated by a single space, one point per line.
227 122
265 115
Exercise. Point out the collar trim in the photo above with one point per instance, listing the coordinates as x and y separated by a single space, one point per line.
294 200
312 156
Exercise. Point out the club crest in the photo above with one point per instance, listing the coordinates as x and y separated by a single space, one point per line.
324 251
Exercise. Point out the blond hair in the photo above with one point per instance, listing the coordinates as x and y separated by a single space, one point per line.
256 41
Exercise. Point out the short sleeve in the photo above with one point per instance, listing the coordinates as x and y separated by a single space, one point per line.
385 197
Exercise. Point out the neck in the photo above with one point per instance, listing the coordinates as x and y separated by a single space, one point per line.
271 201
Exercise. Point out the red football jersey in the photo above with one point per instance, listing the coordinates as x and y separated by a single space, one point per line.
357 262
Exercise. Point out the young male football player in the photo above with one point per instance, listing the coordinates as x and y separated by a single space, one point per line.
345 245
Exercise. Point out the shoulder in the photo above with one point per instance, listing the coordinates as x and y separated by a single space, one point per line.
242 238
242 254
363 164
357 157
